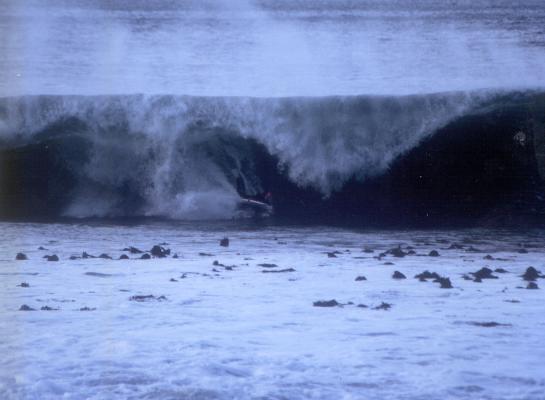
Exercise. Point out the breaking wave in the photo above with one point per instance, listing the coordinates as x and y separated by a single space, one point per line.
187 157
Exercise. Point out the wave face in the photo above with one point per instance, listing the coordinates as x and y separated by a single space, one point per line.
188 157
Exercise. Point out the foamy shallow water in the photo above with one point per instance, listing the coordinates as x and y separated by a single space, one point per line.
248 334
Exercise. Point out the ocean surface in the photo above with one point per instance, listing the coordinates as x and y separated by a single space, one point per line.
238 322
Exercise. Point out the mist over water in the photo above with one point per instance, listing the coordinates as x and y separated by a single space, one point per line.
269 48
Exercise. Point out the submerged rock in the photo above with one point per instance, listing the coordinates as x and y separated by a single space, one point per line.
433 253
224 242
501 271
332 254
266 265
21 257
41 248
398 275
86 255
427 275
397 252
175 255
148 297
360 278
47 308
532 285
522 251
531 274
445 283
133 250
87 309
490 324
24 307
105 256
326 303
383 306
368 250
123 257
145 256
52 258
23 284
265 271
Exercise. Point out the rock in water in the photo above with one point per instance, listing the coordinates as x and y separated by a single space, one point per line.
24 307
398 275
326 303
159 251
531 274
52 258
434 253
105 256
483 273
383 306
532 285
123 257
360 278
224 242
145 256
445 283
427 275
21 257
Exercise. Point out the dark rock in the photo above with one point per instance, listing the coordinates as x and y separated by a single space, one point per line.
522 251
229 268
24 307
175 255
74 258
216 263
24 284
488 324
411 253
326 303
86 255
47 308
159 251
52 258
484 273
98 274
397 252
466 277
368 250
266 265
445 283
87 309
512 301
148 297
433 253
145 256
133 250
488 257
332 255
383 306
173 280
398 275
224 242
427 275
531 274
532 285
455 246
360 278
105 256
389 263
274 271
206 255
478 280
21 257
501 271
41 248
123 257
362 306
